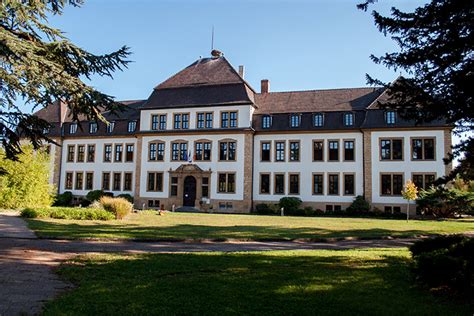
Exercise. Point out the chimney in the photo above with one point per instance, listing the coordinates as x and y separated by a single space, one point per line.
265 86
241 71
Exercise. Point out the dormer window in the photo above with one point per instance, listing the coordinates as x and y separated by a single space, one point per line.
266 121
73 128
348 119
46 130
390 117
110 127
132 126
318 119
295 120
93 127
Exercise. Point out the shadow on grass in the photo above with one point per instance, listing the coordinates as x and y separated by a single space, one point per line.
298 283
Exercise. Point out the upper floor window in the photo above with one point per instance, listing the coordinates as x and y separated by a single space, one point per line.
129 152
93 127
348 150
227 150
132 126
318 150
390 117
70 153
266 121
156 151
110 127
90 153
294 151
318 119
107 153
423 149
73 128
179 151
295 120
265 151
333 150
204 120
181 121
391 149
202 151
280 151
118 152
154 122
229 119
348 119
162 122
81 149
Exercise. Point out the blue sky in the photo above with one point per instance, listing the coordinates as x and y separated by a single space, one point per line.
297 45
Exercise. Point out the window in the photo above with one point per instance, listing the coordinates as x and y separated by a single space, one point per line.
89 180
179 151
348 150
204 120
181 121
174 186
294 187
266 121
349 184
229 119
423 149
227 150
391 149
391 184
205 187
209 119
318 120
295 120
46 130
79 181
127 181
265 151
226 183
279 151
93 127
424 180
154 122
132 126
81 150
90 153
333 150
129 153
279 184
348 119
333 187
154 203
390 117
202 151
110 127
73 128
70 153
265 184
105 181
318 150
294 151
68 182
107 153
318 183
118 153
117 185
200 120
162 118
156 151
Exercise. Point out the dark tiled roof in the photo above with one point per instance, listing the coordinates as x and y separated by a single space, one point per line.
316 100
376 119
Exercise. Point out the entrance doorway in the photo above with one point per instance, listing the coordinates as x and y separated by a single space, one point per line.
189 191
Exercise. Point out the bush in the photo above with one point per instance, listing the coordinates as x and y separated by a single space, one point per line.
120 207
94 195
64 199
443 202
290 204
358 206
267 209
67 213
127 197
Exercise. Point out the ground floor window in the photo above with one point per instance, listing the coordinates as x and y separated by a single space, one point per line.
333 185
155 181
423 180
106 181
79 180
127 181
391 184
279 184
174 186
349 184
153 203
205 187
89 180
294 187
226 183
117 181
265 184
318 184
68 183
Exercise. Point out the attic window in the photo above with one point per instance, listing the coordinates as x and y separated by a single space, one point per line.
93 127
295 120
110 127
348 119
390 117
46 130
132 126
266 121
73 128
318 119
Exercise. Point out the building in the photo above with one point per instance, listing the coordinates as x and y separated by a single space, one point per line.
205 138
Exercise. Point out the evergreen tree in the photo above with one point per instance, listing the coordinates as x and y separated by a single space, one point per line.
436 49
40 65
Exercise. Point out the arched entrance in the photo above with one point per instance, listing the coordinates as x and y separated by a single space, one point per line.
189 191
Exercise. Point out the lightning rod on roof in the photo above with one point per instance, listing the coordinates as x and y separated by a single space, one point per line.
212 39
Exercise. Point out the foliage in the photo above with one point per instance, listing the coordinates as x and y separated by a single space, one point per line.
290 204
64 199
25 182
67 213
94 195
358 206
96 204
120 207
435 49
410 191
40 66
445 262
267 209
445 202
127 197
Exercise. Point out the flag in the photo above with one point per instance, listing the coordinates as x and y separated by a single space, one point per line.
190 157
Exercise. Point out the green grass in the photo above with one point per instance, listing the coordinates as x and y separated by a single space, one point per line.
349 282
218 226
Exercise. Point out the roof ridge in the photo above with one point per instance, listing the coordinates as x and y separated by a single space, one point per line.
315 90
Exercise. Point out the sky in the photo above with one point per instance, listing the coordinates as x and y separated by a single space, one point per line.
297 44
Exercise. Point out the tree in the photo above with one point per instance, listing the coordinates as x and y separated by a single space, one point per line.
436 50
39 65
409 193
25 182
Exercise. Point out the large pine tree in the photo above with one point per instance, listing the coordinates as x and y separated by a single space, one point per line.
40 65
436 50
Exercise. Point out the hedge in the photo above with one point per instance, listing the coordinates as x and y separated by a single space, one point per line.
68 213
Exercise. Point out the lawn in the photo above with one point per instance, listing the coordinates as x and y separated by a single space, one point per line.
149 225
323 282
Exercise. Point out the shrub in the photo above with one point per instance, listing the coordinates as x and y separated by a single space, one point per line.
64 199
290 204
127 197
67 213
443 202
266 209
94 195
358 206
120 207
